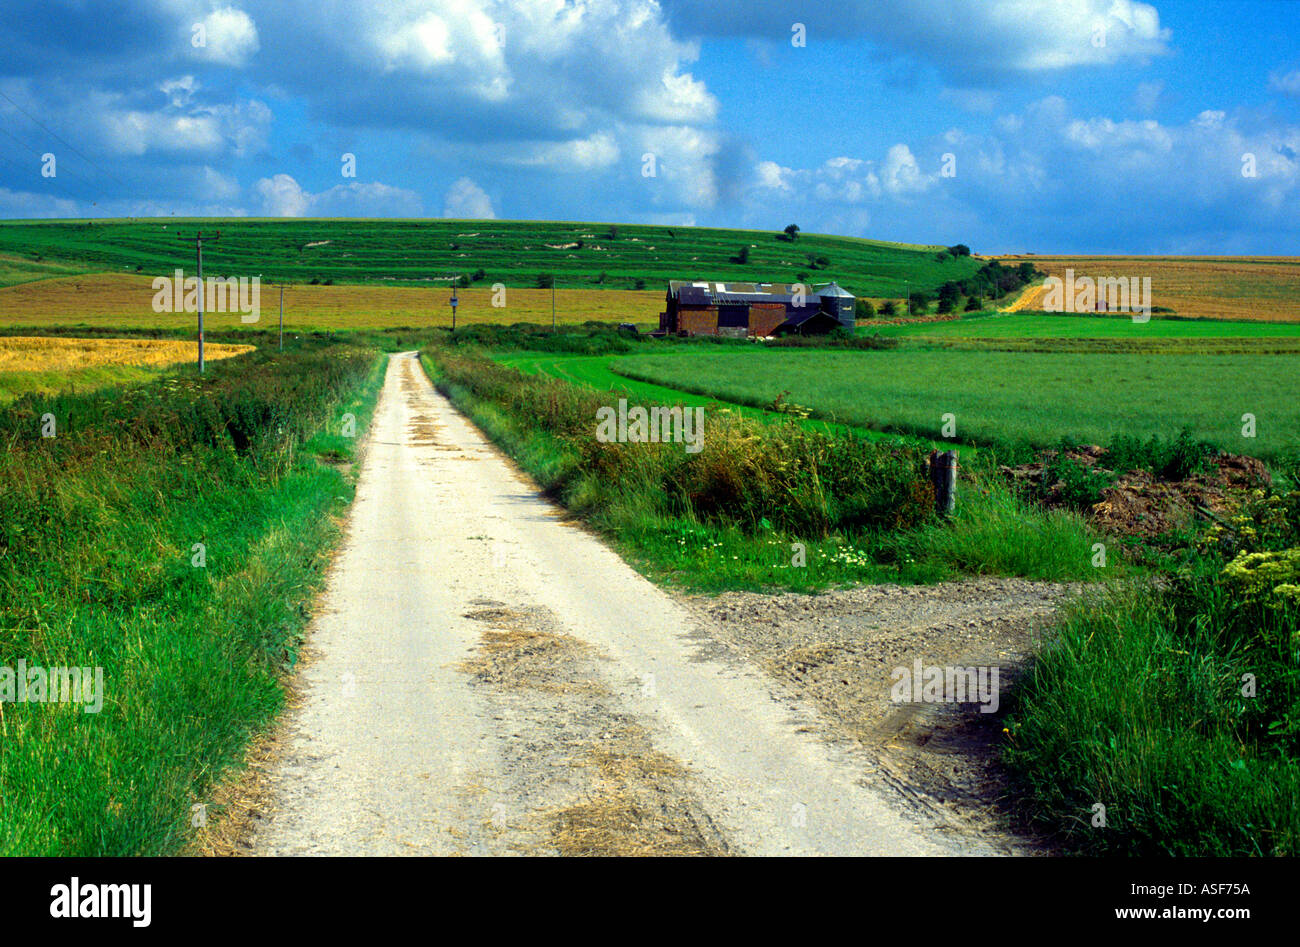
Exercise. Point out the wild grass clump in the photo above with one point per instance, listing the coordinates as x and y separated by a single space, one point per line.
995 532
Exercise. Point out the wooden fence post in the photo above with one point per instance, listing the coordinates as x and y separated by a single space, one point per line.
943 474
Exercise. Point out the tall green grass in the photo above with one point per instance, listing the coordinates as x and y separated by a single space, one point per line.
1175 706
98 534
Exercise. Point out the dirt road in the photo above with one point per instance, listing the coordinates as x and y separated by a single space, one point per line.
490 679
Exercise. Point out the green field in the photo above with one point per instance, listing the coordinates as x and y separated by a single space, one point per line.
407 252
1035 398
16 384
1042 325
594 371
22 269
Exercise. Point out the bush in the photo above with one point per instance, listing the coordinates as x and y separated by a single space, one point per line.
863 309
1175 459
545 280
1081 486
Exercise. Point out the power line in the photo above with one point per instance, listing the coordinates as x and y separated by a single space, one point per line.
62 141
36 151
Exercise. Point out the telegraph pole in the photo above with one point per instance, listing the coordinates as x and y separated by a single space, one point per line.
282 317
454 302
198 249
552 305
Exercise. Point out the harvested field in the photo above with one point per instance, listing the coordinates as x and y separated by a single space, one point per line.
1265 288
126 301
37 354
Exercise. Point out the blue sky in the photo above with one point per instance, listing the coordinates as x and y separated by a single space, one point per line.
1061 125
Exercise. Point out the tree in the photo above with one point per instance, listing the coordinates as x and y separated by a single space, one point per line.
959 249
742 256
888 308
974 304
949 296
613 231
463 282
479 274
862 309
792 232
545 280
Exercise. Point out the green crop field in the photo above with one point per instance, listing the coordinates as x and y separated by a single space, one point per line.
420 252
595 371
1026 325
1034 398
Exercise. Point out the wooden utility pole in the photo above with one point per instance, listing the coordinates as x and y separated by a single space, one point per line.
198 249
552 305
282 317
454 302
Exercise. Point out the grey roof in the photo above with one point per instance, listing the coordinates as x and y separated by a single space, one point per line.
694 296
796 320
834 289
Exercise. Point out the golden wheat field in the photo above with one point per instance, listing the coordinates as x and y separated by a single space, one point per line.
126 301
24 354
1263 288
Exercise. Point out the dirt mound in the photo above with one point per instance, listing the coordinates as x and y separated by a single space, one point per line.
1138 503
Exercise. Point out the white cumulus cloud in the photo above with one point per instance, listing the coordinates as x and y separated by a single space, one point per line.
229 37
465 199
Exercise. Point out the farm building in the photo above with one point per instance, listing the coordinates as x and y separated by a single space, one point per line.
754 309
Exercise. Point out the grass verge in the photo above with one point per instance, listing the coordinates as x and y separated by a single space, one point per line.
1165 720
172 535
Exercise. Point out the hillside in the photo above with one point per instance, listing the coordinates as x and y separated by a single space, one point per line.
393 252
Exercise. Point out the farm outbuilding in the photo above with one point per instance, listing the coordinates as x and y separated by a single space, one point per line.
756 310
